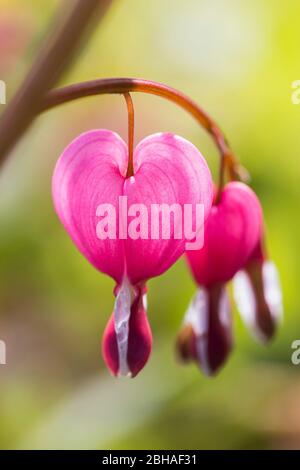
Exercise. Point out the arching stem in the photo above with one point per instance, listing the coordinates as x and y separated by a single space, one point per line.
126 85
130 110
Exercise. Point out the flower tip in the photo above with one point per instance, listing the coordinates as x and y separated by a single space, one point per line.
266 326
216 361
127 376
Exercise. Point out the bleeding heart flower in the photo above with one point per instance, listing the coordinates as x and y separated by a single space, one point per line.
231 232
91 174
257 293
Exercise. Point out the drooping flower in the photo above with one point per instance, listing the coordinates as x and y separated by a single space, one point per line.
88 183
257 293
231 232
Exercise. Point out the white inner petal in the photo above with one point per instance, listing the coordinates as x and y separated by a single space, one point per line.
145 301
197 315
244 298
123 303
197 312
224 309
272 290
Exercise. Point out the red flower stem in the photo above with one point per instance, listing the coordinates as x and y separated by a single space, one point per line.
125 85
130 110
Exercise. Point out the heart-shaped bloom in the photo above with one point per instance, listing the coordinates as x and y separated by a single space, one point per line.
257 293
110 218
231 232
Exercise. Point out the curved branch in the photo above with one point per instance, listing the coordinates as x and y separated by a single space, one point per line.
126 85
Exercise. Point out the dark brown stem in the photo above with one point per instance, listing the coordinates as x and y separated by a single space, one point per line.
130 110
53 59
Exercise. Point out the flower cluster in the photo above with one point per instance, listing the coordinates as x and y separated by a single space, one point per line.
166 170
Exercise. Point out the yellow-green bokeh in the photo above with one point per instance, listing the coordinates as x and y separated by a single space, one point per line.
238 60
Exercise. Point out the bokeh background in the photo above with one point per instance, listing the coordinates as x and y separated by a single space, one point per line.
236 59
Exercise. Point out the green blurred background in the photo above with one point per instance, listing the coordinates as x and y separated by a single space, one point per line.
236 59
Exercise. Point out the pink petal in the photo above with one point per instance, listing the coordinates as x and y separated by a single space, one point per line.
90 172
170 170
231 233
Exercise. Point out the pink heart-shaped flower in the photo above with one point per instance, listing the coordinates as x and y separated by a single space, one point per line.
91 172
